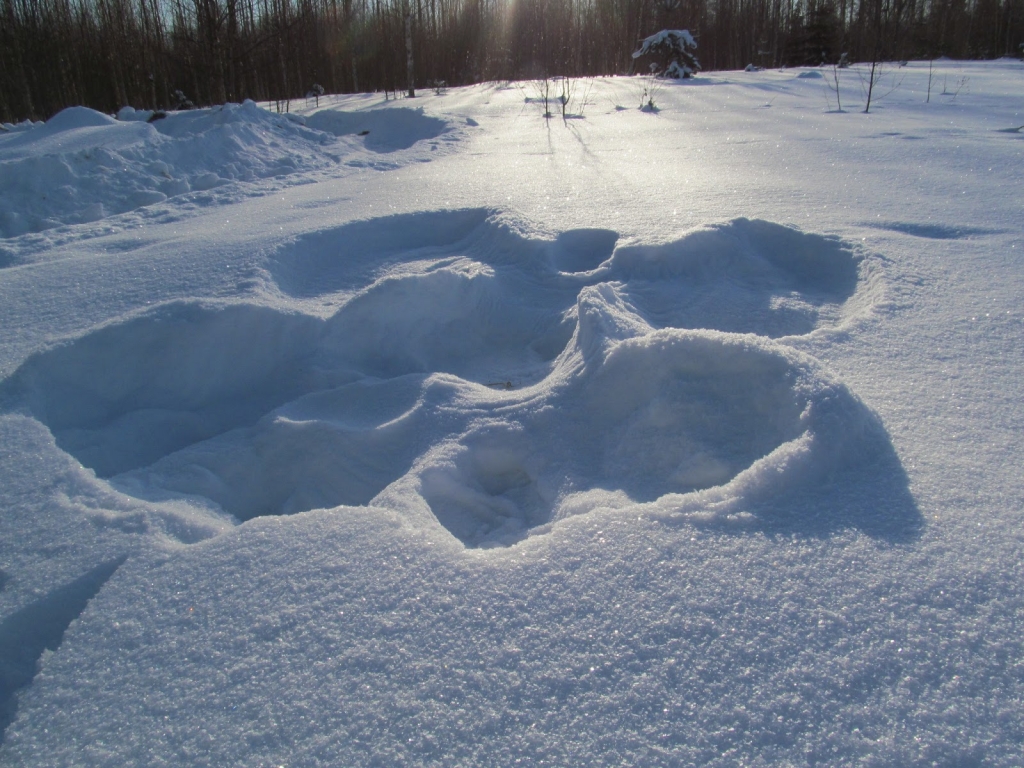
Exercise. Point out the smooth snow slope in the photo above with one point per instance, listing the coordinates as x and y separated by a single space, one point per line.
676 438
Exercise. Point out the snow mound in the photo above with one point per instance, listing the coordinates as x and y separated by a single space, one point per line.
24 125
82 166
78 117
475 378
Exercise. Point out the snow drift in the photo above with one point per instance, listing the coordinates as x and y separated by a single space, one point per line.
81 165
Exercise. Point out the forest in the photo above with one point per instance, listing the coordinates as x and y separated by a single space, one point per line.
166 54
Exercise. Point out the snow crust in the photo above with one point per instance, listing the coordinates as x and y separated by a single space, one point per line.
688 438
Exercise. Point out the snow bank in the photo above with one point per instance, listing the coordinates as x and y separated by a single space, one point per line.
81 165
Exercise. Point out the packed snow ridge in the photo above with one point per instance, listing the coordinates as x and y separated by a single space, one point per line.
476 378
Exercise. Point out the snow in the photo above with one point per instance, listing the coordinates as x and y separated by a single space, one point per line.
687 437
672 37
82 166
671 44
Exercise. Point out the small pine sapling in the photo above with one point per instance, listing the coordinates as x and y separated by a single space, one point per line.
650 85
181 101
572 97
542 88
960 86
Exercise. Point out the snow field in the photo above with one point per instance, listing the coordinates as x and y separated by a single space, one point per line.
529 441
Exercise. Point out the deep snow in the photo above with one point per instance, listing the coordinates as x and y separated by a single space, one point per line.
435 432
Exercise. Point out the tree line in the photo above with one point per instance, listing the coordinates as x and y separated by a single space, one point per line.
156 53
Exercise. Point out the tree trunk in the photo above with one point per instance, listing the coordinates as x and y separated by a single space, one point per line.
408 51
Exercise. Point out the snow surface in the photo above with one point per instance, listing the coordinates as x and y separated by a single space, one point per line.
435 432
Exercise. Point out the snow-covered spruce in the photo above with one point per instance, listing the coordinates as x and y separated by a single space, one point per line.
669 53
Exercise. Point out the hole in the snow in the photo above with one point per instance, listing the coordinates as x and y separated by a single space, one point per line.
350 257
664 415
583 250
933 231
337 447
674 414
488 495
661 414
747 276
467 319
124 396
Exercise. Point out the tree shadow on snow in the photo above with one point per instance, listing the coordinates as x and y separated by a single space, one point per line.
38 627
383 130
933 231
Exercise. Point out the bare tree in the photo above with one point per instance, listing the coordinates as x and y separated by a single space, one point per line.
107 53
410 70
